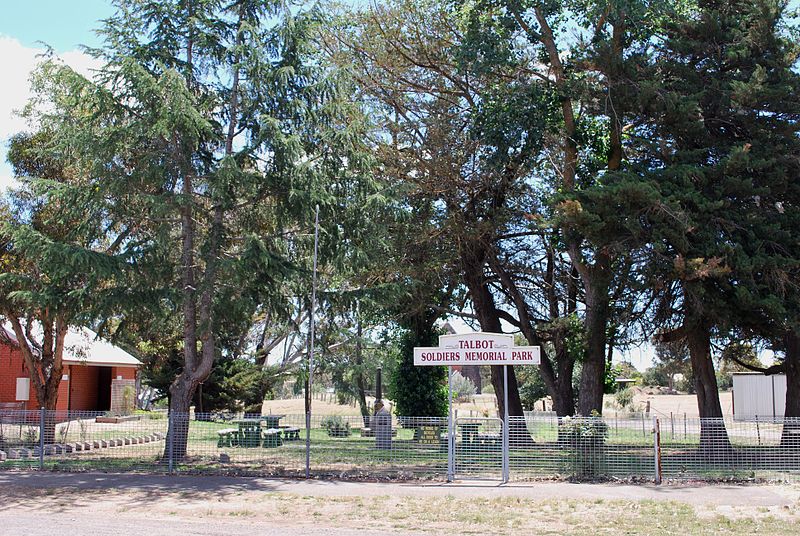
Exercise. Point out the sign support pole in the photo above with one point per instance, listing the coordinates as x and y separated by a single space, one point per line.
505 424
311 345
451 444
477 349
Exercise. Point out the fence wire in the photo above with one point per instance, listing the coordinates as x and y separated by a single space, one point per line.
383 446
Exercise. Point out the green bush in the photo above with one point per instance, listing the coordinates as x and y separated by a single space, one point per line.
419 391
336 426
583 440
624 397
531 386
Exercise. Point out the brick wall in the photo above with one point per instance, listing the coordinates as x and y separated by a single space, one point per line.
127 373
78 393
83 387
12 367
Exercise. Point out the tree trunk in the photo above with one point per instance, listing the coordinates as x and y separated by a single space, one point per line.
45 367
181 394
564 396
713 435
483 303
473 372
593 370
790 438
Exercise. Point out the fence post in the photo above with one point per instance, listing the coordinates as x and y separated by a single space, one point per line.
170 434
308 444
758 431
657 449
41 438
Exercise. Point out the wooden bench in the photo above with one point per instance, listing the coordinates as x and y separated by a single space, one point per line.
228 437
272 438
291 433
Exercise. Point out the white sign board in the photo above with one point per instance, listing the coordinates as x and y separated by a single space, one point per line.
23 389
477 349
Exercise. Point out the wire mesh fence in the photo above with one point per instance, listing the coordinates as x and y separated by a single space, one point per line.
385 446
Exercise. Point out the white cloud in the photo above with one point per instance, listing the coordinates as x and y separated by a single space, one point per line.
18 62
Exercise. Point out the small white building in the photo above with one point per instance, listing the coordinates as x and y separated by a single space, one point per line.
756 395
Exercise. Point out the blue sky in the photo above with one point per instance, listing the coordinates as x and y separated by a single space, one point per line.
64 25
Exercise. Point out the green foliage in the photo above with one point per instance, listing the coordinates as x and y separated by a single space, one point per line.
128 400
419 391
531 386
656 376
236 385
583 439
336 426
624 397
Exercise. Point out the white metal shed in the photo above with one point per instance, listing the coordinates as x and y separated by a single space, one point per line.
757 395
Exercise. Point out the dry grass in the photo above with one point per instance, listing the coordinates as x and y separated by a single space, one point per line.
428 515
486 405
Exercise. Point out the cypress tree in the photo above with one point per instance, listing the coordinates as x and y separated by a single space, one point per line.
726 121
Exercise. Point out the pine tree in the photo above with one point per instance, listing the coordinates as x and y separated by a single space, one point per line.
209 135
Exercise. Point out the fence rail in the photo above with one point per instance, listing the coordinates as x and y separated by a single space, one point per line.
539 446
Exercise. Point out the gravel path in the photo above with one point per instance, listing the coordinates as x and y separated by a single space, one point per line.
695 494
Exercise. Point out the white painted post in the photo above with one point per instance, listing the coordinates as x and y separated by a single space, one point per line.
42 413
505 425
170 440
451 439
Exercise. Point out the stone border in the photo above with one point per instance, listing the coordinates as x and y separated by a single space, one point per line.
81 446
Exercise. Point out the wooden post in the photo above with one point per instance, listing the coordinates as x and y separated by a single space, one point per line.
657 449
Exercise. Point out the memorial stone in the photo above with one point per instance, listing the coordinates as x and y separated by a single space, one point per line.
382 425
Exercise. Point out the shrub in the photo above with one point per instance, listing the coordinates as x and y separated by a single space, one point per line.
583 438
128 400
624 397
336 426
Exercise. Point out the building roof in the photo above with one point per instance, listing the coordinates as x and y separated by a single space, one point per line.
82 346
7 336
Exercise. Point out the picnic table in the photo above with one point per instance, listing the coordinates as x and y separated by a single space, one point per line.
256 432
249 434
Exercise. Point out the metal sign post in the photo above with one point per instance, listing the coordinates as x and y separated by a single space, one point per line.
451 438
311 346
505 424
476 349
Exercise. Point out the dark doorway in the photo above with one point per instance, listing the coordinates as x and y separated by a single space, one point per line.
103 388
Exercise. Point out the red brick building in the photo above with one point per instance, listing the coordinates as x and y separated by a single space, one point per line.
95 373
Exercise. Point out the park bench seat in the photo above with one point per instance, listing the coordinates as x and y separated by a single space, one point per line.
228 437
291 433
272 437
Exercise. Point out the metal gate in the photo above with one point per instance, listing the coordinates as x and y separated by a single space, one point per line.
478 448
